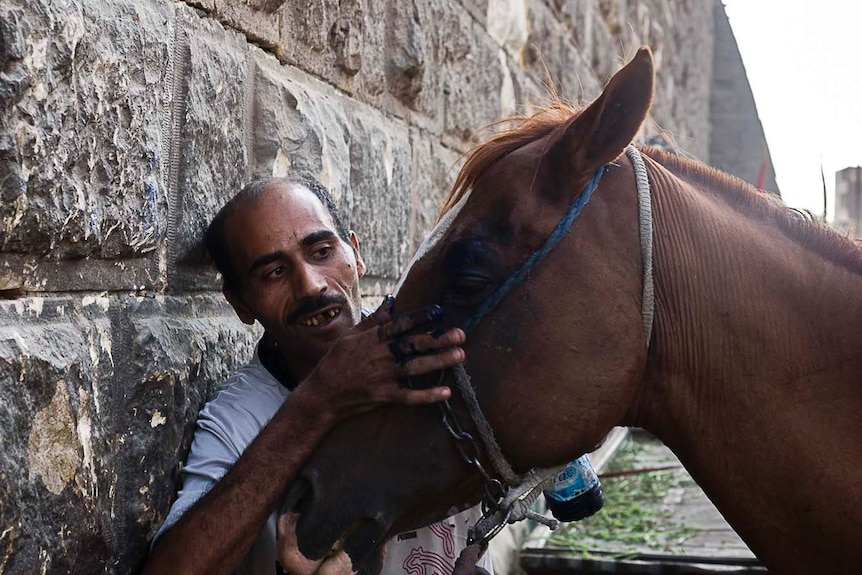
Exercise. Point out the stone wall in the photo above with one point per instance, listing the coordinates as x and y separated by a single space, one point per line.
124 126
738 145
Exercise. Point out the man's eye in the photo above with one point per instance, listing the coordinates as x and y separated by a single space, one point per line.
322 252
276 272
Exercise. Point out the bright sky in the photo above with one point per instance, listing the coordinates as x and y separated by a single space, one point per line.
804 64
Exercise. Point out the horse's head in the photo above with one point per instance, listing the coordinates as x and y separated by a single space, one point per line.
555 366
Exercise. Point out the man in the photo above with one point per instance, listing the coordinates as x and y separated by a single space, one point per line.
288 262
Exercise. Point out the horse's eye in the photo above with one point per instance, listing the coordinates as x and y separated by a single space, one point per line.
468 284
468 266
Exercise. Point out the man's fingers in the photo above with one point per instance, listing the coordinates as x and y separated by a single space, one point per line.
423 396
380 316
423 364
336 564
466 562
409 321
289 556
412 345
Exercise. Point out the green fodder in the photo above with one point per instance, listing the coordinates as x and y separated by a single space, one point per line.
633 519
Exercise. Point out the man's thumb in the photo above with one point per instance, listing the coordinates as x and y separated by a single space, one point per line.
466 562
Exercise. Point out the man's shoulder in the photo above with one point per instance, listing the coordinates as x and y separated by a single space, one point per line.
249 392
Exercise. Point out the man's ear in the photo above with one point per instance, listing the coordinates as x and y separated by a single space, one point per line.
242 311
360 265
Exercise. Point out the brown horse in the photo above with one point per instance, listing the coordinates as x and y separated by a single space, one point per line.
751 375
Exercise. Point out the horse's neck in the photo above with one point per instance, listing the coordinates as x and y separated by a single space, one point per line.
754 376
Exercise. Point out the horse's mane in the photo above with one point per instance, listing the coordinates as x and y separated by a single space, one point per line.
524 129
765 207
751 201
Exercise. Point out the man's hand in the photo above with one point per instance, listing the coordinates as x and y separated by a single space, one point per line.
363 369
466 562
295 563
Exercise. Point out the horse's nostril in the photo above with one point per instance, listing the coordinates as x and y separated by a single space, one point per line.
295 498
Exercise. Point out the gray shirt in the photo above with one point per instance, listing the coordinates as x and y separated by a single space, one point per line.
226 426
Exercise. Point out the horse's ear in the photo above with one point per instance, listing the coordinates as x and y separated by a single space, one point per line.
603 130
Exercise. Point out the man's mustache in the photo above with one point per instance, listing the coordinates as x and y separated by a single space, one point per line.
312 306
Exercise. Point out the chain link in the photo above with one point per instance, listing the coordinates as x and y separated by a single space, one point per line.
470 451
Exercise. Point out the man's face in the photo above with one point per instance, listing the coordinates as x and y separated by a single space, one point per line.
297 277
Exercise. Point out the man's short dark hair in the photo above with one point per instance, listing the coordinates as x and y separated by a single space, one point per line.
215 237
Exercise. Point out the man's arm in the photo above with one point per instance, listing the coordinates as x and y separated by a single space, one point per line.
215 534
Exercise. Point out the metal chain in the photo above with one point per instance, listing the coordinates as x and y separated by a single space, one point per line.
469 449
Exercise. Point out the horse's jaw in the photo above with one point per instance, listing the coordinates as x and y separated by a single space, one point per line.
365 539
350 493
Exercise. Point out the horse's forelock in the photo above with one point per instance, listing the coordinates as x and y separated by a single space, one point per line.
526 129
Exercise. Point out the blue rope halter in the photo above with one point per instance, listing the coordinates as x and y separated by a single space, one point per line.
520 274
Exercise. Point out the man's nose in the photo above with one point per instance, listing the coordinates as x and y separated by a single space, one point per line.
310 282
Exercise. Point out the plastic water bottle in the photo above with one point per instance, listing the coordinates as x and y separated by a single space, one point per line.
576 492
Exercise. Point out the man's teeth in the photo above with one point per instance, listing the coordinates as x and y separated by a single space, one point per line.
320 318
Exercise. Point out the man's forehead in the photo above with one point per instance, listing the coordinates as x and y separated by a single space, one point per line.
277 221
285 202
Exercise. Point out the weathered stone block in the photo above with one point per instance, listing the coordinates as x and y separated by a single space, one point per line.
600 43
683 58
207 163
299 127
552 56
412 61
692 70
434 172
507 24
477 8
434 168
265 5
474 76
208 5
254 18
82 90
34 274
55 369
339 41
613 14
100 395
379 202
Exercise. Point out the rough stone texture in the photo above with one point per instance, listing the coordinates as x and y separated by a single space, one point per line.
552 58
125 126
683 52
79 139
380 174
297 127
412 45
205 132
100 394
340 41
737 134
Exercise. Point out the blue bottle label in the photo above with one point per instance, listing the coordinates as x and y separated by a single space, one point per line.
576 479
